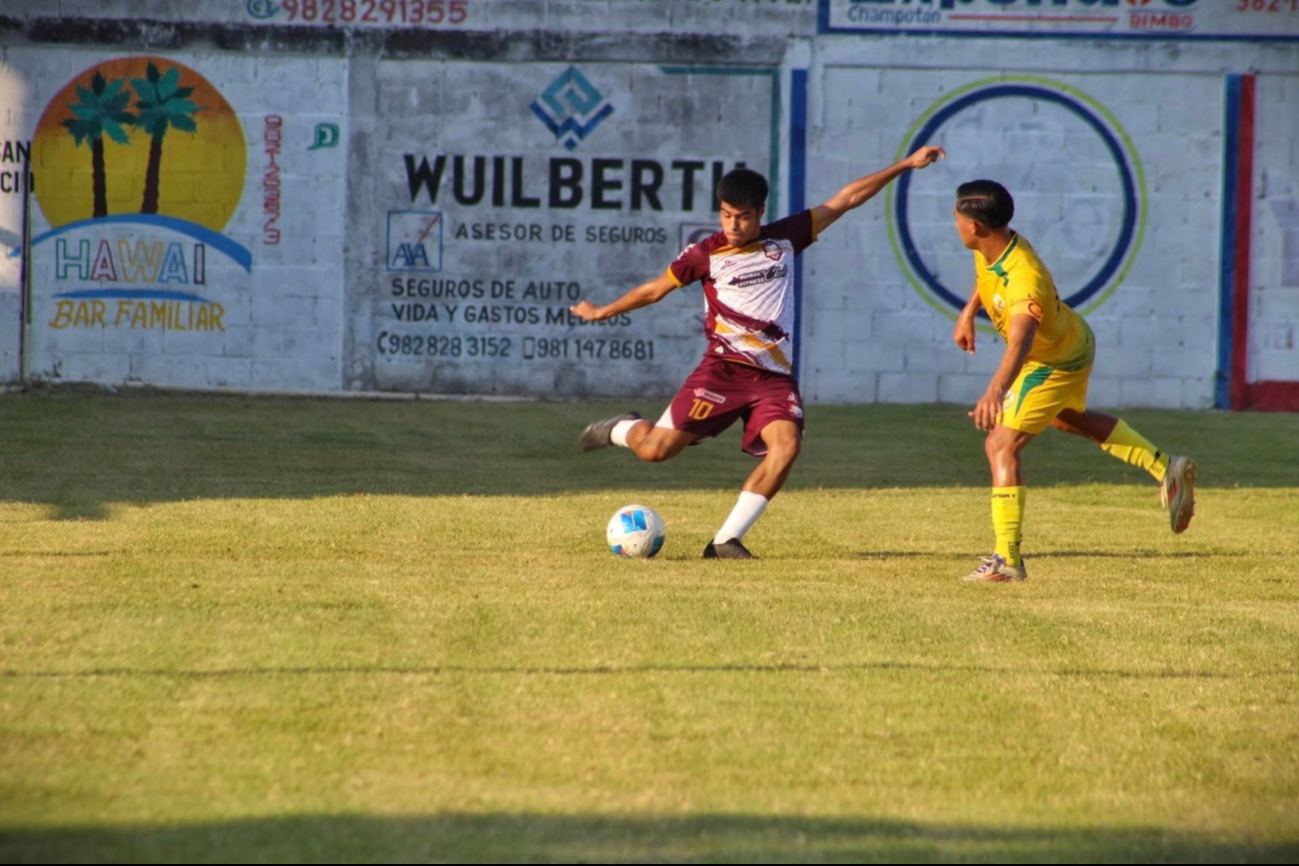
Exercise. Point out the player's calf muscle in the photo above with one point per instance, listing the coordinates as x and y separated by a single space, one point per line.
655 447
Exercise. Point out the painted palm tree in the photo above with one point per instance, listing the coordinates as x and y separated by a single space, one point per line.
99 110
162 105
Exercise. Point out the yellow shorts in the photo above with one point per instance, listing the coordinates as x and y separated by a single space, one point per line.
1040 393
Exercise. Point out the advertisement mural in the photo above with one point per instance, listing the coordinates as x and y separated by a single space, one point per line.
1116 180
782 17
162 225
1096 207
518 191
133 224
16 183
1125 19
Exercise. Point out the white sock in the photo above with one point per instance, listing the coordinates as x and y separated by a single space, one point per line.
745 513
618 435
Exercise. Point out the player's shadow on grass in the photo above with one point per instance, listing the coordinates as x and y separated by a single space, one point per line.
1140 554
885 555
575 838
81 454
57 554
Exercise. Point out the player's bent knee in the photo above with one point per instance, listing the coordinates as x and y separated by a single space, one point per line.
785 453
783 442
1000 447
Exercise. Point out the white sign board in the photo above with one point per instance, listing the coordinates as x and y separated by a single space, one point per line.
186 230
512 191
1142 19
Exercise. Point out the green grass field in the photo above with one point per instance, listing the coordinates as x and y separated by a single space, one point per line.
259 630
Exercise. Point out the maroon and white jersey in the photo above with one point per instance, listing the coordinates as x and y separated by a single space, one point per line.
749 292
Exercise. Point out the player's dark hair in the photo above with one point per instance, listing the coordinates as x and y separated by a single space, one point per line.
985 201
743 188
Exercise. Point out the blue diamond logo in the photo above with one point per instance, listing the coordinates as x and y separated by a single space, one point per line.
571 107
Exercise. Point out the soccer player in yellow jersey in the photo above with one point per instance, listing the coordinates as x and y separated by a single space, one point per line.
1042 379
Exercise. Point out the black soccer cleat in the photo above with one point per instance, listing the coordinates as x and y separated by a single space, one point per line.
727 550
596 435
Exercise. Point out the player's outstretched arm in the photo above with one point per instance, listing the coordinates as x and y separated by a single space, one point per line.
647 293
863 189
1019 340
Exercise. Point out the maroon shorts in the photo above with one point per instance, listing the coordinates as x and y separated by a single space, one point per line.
719 393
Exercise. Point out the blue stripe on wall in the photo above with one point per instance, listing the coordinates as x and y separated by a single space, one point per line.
1227 243
798 190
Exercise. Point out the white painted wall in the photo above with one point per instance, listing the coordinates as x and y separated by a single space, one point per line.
1274 272
319 309
188 312
881 334
473 279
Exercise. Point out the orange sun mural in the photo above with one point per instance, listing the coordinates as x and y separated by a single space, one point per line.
139 136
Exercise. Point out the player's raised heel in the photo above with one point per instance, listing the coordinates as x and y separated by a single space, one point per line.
727 550
994 569
1177 492
597 434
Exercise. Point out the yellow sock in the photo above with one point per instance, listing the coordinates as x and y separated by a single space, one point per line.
1007 518
1131 447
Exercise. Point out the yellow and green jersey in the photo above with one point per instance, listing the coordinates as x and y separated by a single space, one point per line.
1018 283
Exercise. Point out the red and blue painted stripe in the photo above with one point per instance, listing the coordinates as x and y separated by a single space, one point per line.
1232 388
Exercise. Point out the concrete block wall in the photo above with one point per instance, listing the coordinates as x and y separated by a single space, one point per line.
316 306
1274 271
236 281
873 325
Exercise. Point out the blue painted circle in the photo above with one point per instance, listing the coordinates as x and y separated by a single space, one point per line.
997 91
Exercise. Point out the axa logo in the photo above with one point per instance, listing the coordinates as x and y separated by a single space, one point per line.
1081 206
571 107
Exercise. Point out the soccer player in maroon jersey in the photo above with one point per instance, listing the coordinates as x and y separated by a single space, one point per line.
747 271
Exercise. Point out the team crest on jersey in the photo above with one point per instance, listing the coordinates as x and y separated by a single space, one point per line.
710 396
771 250
999 302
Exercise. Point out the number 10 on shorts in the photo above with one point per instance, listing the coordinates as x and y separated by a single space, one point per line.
701 409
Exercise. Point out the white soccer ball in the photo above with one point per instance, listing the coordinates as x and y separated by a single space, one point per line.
635 531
